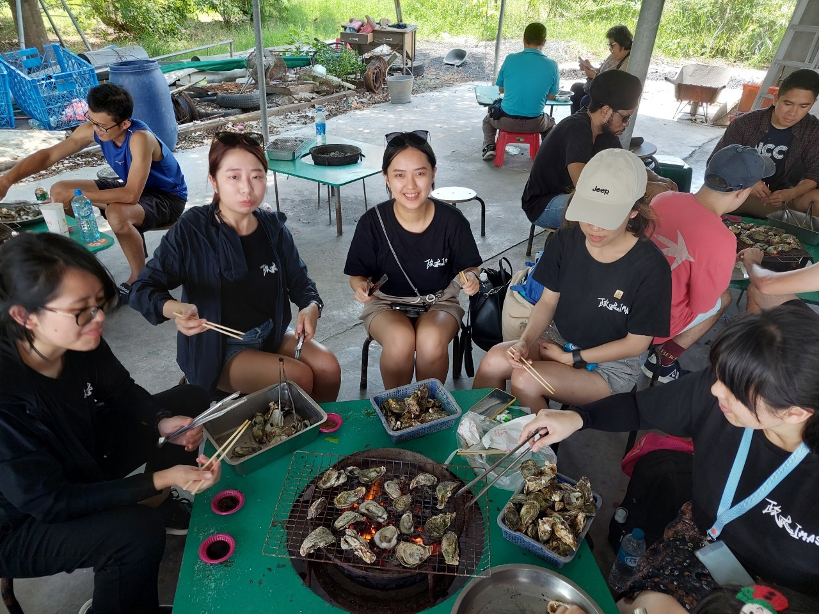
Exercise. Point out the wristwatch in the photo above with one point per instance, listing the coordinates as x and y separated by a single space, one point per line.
577 361
318 304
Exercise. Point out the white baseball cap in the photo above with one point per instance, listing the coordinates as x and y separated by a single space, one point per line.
610 184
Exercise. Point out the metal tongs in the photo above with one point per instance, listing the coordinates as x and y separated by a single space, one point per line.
297 354
534 436
209 414
283 382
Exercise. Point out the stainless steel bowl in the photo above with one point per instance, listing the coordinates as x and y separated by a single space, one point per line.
521 589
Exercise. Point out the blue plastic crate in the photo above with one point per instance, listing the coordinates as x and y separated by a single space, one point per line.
53 87
6 111
436 391
536 547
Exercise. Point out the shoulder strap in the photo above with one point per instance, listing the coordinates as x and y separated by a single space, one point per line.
393 251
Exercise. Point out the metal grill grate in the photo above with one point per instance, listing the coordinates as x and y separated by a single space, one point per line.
290 526
291 144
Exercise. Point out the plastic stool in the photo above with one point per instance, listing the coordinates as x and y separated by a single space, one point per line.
459 195
515 138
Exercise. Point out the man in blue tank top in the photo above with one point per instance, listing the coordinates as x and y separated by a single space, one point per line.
150 192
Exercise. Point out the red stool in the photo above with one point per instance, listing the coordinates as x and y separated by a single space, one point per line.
515 138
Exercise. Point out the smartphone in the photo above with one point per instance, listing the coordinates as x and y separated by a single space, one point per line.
373 287
493 404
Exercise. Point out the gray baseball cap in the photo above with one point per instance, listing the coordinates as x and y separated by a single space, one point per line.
737 167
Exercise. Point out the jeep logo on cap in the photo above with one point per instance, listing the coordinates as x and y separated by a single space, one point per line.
601 190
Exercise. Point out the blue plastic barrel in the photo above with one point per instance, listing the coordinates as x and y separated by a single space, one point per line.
152 100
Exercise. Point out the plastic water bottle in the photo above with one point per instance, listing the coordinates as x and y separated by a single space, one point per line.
621 514
321 127
632 548
484 284
84 214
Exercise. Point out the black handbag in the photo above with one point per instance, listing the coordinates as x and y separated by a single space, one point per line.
484 319
495 109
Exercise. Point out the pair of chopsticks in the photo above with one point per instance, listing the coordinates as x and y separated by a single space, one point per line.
206 416
222 452
230 332
531 370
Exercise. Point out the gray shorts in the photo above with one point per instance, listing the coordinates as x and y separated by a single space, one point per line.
161 208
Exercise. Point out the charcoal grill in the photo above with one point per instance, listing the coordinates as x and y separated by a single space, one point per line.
290 525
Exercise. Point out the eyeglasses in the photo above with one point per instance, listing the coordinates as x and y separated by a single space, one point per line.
408 137
231 138
624 118
611 45
99 126
83 316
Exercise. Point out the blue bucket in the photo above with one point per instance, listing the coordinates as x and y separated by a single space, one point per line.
152 100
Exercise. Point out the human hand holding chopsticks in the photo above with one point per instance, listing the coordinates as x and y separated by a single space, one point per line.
517 353
189 475
555 424
190 439
468 280
187 320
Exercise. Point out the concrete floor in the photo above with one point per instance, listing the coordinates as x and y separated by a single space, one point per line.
453 119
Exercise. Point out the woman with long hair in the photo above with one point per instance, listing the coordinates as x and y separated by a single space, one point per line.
238 266
427 250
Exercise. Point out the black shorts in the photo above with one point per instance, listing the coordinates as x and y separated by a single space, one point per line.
161 208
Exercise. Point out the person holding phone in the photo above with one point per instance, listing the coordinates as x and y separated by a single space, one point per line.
422 245
753 418
620 46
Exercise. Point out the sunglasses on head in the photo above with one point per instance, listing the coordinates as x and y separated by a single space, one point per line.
392 138
231 138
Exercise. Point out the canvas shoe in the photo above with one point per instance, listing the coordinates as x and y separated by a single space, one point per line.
666 374
176 512
488 153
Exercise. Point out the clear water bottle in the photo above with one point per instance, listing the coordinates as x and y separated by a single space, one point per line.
86 220
621 514
632 549
321 127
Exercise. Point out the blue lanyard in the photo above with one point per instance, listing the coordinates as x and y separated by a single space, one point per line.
727 514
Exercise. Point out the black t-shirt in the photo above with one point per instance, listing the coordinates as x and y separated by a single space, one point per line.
775 145
776 539
431 258
569 142
602 302
250 301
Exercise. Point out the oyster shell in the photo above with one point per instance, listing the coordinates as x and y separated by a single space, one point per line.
368 476
352 471
319 538
585 488
373 510
316 508
449 548
347 498
529 512
541 499
402 504
436 526
443 493
423 479
532 531
393 489
331 478
519 499
529 468
411 554
561 531
394 407
346 519
406 523
577 524
357 545
387 537
512 517
549 469
535 483
573 500
552 606
544 529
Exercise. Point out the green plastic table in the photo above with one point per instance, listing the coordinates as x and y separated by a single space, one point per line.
333 176
743 284
106 240
251 581
486 94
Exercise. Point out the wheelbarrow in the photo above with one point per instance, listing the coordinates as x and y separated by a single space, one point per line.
699 85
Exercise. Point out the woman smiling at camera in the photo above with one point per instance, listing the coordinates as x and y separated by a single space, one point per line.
424 247
238 266
607 292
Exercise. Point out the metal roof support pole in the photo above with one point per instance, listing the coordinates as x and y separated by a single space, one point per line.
498 38
260 69
20 34
644 42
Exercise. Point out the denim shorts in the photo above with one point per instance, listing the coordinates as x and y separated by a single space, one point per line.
252 340
553 214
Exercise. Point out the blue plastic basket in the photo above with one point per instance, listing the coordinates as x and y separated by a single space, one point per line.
536 547
6 111
51 87
436 391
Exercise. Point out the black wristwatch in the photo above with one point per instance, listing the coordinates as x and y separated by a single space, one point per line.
577 361
318 304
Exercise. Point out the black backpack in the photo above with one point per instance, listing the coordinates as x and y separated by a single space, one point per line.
660 484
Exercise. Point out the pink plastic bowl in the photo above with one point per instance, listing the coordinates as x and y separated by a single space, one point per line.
225 494
333 423
216 545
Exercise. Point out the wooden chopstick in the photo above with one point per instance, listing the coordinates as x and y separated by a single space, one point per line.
532 371
463 278
232 439
230 332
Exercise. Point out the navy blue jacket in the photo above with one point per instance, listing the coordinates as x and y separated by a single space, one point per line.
196 253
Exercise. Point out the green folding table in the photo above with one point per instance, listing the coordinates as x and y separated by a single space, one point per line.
486 94
105 241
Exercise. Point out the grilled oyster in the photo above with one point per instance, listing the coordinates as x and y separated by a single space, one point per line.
331 478
529 468
787 238
529 512
347 498
368 476
449 548
757 235
402 504
443 493
774 250
346 519
561 530
512 517
387 537
411 554
552 606
373 510
436 526
423 479
352 471
357 545
319 538
406 523
316 508
393 489
544 529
